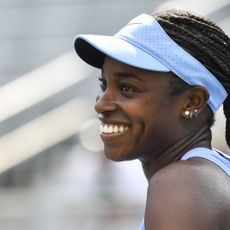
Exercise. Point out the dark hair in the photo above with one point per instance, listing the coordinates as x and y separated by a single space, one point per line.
205 41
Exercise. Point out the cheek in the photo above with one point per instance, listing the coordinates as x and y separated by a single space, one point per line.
144 125
154 128
146 134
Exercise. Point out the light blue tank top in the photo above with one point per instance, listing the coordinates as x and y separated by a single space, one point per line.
216 156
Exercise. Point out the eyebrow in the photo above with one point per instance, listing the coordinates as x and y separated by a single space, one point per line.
128 75
124 75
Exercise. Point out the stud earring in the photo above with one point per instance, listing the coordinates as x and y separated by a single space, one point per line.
191 114
196 113
187 114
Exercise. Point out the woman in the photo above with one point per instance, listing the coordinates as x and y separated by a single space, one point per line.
163 78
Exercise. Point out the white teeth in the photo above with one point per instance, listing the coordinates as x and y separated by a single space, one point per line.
121 129
115 129
105 128
110 129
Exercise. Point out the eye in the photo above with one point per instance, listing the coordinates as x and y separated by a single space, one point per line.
127 88
103 84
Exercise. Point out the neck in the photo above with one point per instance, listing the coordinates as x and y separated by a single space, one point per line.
176 151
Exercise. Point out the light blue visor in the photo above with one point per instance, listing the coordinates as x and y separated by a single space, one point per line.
144 44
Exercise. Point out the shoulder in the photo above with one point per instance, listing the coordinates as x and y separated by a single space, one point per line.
184 194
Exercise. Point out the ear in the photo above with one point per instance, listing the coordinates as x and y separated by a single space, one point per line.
196 100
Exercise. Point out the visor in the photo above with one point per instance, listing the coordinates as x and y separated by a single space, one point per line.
93 48
144 44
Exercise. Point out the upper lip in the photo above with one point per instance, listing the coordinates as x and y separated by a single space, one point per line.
113 121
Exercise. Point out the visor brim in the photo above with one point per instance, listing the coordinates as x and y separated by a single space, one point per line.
93 49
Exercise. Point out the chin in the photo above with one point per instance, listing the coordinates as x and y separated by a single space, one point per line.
119 156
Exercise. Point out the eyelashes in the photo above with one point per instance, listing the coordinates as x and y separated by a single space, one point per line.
123 87
128 88
103 83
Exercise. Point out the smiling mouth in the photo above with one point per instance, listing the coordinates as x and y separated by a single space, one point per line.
113 128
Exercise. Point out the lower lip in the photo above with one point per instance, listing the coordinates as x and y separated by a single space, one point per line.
111 136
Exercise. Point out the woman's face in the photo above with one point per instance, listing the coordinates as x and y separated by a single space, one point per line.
138 117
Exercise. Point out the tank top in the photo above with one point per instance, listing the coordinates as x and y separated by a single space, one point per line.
216 156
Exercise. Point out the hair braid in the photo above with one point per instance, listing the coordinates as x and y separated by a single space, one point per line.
205 41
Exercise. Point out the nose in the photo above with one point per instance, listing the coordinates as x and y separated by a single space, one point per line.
105 102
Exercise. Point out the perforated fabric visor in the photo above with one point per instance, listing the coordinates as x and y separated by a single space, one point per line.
93 48
144 44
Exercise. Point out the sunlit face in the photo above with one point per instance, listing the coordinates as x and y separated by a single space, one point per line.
138 117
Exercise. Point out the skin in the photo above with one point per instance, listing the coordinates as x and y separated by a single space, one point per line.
192 194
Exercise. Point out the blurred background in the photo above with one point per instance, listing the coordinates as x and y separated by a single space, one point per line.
53 174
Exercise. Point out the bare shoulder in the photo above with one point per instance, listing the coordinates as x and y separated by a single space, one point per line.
192 194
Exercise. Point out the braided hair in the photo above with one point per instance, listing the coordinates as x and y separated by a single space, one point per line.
205 41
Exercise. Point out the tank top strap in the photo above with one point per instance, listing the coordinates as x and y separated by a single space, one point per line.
142 227
214 155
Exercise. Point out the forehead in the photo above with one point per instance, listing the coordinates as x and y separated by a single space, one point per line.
113 68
